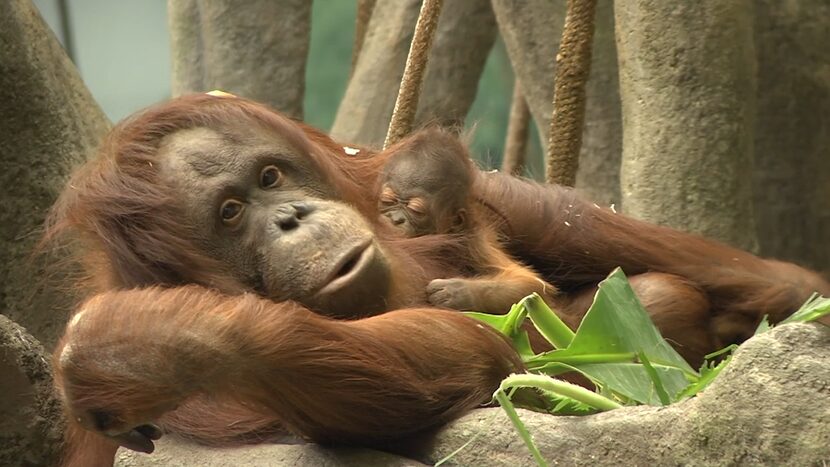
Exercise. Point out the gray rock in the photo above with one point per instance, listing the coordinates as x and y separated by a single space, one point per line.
465 35
256 49
792 131
49 123
769 407
30 416
688 88
171 452
531 30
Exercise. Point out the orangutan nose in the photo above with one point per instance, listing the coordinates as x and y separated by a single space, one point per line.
289 215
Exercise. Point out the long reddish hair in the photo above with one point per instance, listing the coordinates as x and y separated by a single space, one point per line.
127 221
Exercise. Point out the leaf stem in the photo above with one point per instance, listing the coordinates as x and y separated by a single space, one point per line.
560 387
547 322
508 407
551 357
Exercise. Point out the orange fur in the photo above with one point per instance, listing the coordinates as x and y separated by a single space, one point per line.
495 280
168 328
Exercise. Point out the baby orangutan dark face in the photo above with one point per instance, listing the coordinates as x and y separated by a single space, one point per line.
425 192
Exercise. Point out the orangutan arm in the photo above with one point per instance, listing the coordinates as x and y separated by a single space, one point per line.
501 282
129 356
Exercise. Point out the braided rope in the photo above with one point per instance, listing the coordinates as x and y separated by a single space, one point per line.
403 117
573 65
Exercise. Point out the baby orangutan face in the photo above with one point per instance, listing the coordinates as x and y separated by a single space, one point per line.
423 194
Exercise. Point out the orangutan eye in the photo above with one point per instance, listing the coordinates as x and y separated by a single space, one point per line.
417 206
231 211
270 177
388 196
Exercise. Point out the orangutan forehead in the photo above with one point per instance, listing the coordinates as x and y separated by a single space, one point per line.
413 176
210 152
203 150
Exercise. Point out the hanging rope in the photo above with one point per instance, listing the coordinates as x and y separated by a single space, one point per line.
364 14
406 105
573 64
518 125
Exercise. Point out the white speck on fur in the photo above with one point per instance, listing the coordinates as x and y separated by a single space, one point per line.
75 319
351 151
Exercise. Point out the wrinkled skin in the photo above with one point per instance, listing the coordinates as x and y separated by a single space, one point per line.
421 198
428 187
258 207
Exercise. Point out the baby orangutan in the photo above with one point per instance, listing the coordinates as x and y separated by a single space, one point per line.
427 187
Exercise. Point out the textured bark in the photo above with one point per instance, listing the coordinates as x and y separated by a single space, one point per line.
792 132
256 49
531 30
687 79
48 124
466 31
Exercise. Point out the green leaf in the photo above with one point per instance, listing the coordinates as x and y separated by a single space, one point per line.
814 308
560 388
449 456
655 379
510 325
708 372
565 405
550 326
718 353
763 326
507 406
616 329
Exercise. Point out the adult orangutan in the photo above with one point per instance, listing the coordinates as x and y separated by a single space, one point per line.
223 240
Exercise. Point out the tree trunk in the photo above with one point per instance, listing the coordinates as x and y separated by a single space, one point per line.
792 136
518 130
31 427
49 123
465 35
255 49
687 79
531 31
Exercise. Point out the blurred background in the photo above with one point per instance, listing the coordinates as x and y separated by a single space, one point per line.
122 50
